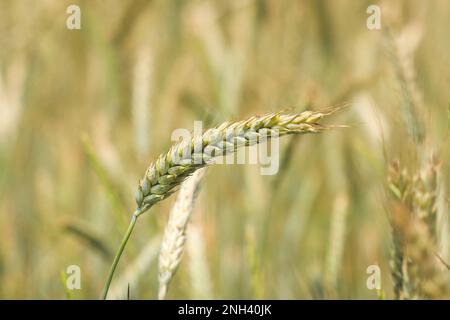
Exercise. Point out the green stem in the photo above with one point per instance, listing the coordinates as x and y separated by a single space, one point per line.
119 253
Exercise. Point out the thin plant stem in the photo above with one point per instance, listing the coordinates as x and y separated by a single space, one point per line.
119 253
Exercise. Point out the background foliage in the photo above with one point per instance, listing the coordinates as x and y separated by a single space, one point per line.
83 112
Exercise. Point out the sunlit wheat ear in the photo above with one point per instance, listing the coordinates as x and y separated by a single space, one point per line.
185 157
174 239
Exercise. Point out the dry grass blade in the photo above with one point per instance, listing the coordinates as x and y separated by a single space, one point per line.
89 237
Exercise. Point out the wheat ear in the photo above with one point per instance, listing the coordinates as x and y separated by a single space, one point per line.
413 223
185 157
425 196
400 188
173 243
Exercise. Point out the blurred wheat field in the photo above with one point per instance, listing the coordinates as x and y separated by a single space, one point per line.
84 112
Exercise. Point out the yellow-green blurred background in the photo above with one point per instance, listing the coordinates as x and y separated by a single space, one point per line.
83 113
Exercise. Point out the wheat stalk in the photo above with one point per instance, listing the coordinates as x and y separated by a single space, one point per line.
185 157
172 246
135 271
